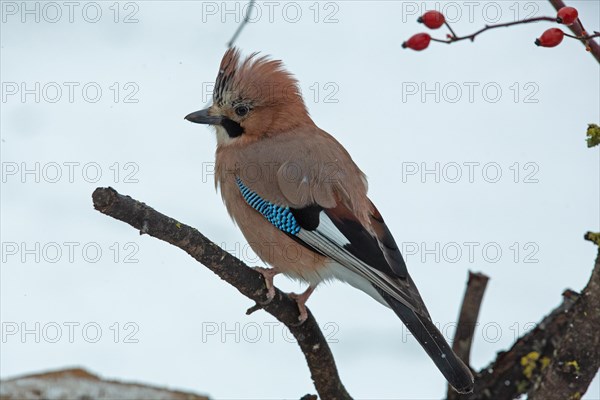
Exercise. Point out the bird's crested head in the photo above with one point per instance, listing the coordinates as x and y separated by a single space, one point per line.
253 98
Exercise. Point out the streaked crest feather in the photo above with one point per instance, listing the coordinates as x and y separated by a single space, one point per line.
260 81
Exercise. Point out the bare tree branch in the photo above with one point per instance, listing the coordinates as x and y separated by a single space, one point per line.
555 360
247 281
577 359
514 371
463 338
468 315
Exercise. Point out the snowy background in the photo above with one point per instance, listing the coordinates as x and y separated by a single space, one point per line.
499 124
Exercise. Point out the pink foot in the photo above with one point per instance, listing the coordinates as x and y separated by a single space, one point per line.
301 301
268 274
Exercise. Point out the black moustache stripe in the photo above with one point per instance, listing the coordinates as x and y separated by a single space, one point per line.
233 128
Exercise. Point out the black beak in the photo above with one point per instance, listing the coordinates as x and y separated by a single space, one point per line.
202 117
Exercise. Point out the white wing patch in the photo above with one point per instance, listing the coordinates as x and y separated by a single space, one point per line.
328 229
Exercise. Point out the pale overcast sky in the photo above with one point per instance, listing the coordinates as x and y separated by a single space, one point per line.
475 154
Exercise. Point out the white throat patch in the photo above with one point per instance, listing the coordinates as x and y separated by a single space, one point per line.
223 138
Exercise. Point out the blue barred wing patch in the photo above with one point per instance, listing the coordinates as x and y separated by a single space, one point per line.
281 217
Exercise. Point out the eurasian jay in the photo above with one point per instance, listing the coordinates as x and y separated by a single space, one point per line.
301 201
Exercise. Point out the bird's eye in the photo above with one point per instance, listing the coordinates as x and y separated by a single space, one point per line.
242 110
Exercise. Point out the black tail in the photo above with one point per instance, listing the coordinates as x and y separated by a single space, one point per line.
432 340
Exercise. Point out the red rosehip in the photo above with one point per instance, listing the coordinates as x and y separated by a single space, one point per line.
567 15
432 19
551 38
418 42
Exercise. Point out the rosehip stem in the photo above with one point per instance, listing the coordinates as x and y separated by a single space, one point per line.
440 40
582 38
456 38
450 29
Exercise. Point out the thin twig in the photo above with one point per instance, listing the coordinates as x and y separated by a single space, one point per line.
577 29
249 282
584 38
469 312
453 38
450 29
242 24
